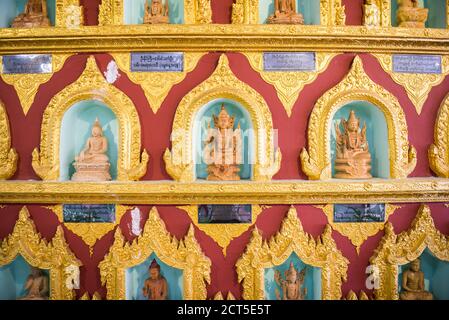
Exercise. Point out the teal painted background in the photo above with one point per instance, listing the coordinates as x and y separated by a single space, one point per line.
310 9
136 276
134 11
204 116
436 275
9 9
437 13
312 280
76 128
377 134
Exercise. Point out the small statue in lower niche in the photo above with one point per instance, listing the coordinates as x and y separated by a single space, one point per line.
34 15
292 284
156 13
413 284
410 15
285 13
36 285
155 287
372 14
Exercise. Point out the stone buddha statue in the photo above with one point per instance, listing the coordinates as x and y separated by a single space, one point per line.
155 287
223 148
372 14
410 15
413 283
36 285
92 164
291 285
156 13
285 13
34 15
353 160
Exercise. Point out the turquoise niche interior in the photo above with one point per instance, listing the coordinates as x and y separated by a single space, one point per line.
76 128
134 11
310 10
436 275
312 280
376 131
202 120
136 276
9 9
437 17
13 277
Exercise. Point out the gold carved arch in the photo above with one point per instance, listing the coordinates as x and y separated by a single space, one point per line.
356 86
182 254
54 256
321 252
8 155
222 84
399 249
91 85
439 150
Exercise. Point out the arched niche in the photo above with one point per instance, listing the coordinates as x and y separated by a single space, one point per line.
91 86
8 155
316 160
439 150
222 85
437 16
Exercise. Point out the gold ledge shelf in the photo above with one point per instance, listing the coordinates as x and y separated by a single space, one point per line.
224 37
417 190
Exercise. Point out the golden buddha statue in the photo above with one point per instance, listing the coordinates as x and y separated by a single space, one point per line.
413 283
36 285
372 14
34 15
92 164
410 15
291 285
353 160
285 13
223 148
156 13
155 287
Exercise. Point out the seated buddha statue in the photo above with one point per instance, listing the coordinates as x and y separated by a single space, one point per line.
410 15
36 285
156 13
353 160
155 286
285 13
413 283
291 285
34 15
372 14
92 164
223 148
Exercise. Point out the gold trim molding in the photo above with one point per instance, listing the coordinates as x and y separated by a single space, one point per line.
8 155
91 85
182 254
54 256
321 252
439 150
316 160
179 162
399 249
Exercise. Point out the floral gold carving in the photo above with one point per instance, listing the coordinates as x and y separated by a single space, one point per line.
86 296
384 9
219 296
8 155
439 150
65 11
111 12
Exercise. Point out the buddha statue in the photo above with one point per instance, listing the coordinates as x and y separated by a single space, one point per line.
410 15
371 14
36 285
353 160
285 13
156 13
223 148
291 285
155 287
34 15
413 283
92 164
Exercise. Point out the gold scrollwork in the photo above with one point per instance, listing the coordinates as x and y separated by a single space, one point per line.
322 253
399 249
54 256
439 150
316 161
183 254
222 84
156 85
417 85
91 85
27 84
8 155
66 11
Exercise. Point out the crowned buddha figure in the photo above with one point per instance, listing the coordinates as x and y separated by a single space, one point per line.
285 13
156 13
413 283
36 285
291 285
155 287
410 15
353 160
34 15
372 14
223 148
92 164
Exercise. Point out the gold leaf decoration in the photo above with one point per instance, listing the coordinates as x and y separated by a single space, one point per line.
8 155
439 150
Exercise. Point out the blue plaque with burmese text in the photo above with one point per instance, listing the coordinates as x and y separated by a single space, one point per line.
27 64
88 213
417 63
359 213
157 62
289 61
